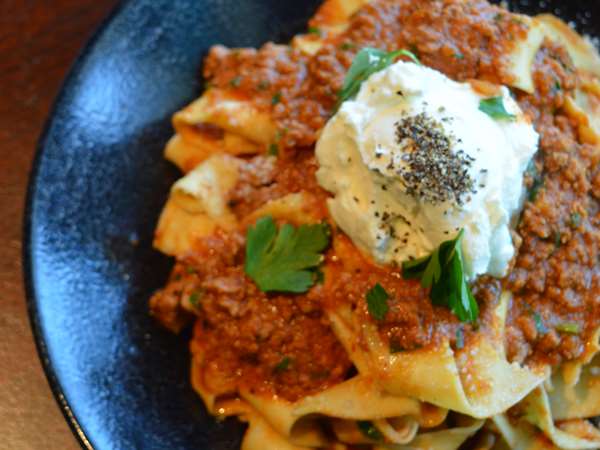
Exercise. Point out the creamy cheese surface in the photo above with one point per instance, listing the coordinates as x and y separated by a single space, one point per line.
412 160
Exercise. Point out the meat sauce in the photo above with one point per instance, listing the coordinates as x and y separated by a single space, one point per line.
284 344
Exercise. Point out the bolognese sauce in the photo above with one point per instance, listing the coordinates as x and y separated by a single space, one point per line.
284 343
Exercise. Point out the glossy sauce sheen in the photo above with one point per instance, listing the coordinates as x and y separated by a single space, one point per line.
244 334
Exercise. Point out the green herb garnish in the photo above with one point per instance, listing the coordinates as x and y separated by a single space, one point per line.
557 86
443 271
538 181
284 260
459 56
377 305
540 326
190 270
557 238
494 107
367 62
569 327
369 430
195 298
348 46
575 220
283 365
276 98
235 82
314 30
273 150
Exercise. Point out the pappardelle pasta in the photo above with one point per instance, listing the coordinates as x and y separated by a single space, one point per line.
387 234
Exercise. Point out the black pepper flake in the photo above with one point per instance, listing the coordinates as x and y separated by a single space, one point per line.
434 172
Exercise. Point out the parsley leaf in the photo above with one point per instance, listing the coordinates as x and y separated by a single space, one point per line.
540 326
369 430
195 298
569 327
283 365
377 298
284 260
443 272
537 181
367 62
494 107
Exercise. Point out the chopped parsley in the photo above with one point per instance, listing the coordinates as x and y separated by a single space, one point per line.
348 46
458 55
314 30
190 270
575 220
367 62
195 298
494 107
369 430
557 86
557 238
377 305
537 183
276 98
235 82
283 365
443 272
569 327
540 326
284 259
273 150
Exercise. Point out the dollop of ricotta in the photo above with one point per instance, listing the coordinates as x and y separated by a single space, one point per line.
412 160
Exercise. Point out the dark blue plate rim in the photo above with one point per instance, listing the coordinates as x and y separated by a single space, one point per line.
26 238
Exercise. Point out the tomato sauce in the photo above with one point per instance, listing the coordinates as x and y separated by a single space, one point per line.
246 337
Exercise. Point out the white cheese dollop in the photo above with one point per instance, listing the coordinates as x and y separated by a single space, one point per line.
371 170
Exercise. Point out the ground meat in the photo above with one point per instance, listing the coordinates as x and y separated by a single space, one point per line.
278 344
464 39
284 343
265 178
556 279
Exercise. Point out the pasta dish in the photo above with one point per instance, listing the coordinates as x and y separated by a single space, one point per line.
387 234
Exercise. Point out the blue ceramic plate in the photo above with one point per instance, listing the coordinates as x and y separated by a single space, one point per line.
98 184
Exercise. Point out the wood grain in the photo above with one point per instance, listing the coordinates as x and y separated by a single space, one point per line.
39 39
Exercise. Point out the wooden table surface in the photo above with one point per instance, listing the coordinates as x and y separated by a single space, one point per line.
39 39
